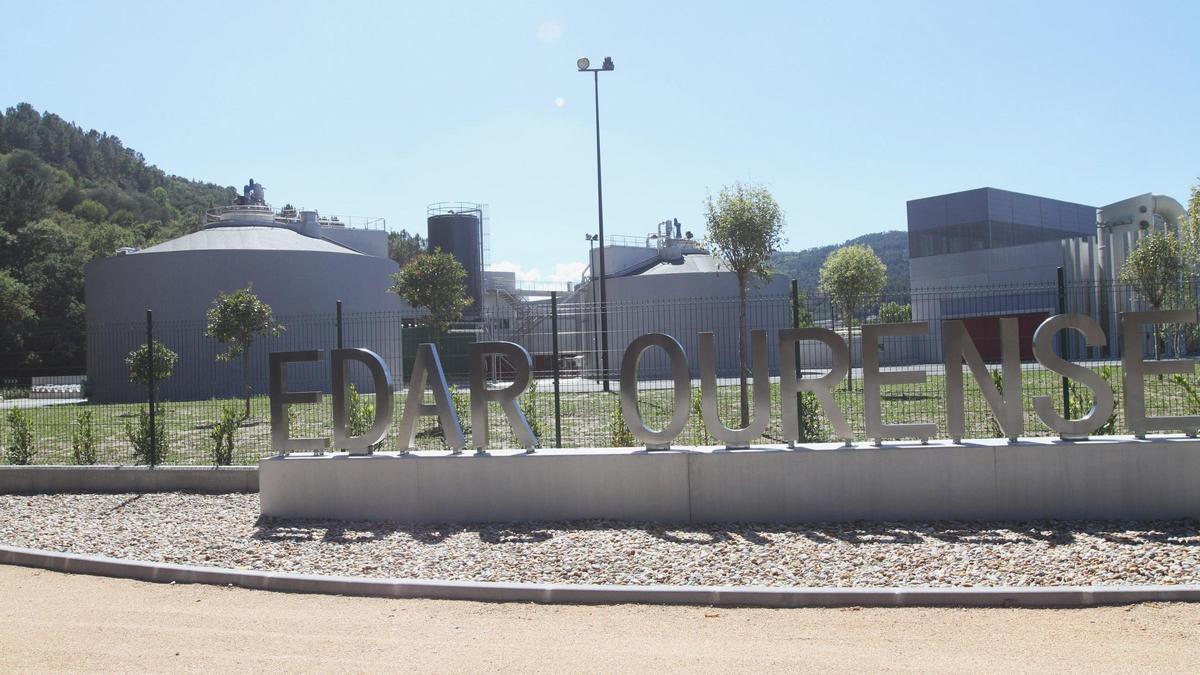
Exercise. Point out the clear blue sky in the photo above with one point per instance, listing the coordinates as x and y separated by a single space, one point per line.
844 110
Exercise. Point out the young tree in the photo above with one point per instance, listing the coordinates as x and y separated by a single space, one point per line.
1154 270
852 277
434 281
745 226
140 368
236 320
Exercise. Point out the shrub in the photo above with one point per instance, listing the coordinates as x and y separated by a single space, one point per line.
83 439
224 432
359 414
145 450
20 449
462 406
619 435
529 407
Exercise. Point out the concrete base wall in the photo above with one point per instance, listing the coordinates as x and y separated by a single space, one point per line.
35 480
1109 478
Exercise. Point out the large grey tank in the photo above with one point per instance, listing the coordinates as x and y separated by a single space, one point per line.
457 230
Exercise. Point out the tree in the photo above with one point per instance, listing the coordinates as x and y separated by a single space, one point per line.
1154 270
403 247
435 282
894 312
852 277
745 226
90 210
16 312
236 320
140 367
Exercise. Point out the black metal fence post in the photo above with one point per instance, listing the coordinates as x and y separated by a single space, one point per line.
150 387
554 330
1063 344
339 324
796 346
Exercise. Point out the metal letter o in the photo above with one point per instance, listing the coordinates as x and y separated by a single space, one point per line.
682 390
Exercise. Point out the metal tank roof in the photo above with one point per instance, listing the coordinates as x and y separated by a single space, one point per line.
692 262
247 238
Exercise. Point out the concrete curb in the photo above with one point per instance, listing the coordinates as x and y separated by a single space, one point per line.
61 479
752 596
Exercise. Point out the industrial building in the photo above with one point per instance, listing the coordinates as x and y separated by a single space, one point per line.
985 253
299 263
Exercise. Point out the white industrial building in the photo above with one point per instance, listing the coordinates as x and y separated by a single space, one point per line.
300 264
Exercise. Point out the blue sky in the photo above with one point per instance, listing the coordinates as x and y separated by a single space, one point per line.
844 110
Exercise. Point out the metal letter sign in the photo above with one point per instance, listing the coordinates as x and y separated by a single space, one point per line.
873 379
957 346
281 398
427 371
735 438
382 378
1043 351
821 387
655 440
522 366
1136 369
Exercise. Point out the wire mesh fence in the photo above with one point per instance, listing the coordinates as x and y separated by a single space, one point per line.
212 406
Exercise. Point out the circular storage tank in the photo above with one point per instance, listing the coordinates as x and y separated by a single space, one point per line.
460 235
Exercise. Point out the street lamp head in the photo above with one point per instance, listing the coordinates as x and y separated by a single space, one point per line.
583 63
608 64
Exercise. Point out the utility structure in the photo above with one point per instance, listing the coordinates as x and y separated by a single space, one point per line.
584 66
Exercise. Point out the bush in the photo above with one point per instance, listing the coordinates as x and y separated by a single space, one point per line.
20 450
529 407
359 415
619 435
224 432
83 439
144 450
462 407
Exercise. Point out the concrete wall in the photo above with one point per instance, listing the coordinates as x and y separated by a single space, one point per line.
1108 478
180 286
33 480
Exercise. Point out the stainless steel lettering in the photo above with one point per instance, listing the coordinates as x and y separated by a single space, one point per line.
735 438
821 387
382 379
427 372
873 379
957 346
481 395
1043 351
281 398
661 439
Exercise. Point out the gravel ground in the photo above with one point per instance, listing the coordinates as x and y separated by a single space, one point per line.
226 531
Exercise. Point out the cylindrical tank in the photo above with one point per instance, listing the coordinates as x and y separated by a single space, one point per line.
458 232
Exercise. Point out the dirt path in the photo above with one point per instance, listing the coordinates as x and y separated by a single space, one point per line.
52 621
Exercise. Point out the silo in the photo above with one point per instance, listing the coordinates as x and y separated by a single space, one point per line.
456 228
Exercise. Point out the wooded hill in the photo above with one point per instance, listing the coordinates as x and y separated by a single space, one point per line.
890 246
68 196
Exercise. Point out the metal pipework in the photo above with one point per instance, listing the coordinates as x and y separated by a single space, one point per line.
427 372
382 379
281 398
1102 395
682 390
821 387
735 438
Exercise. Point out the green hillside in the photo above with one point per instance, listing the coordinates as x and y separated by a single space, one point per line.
68 196
890 246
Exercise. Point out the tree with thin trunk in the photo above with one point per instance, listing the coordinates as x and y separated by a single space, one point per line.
236 320
852 277
745 226
1154 270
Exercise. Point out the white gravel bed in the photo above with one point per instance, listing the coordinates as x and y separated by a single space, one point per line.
226 531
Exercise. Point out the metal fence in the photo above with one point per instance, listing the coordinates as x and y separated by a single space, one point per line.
573 401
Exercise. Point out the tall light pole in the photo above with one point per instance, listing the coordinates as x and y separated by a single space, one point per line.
584 67
592 238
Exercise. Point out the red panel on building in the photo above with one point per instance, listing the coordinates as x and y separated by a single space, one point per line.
985 331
